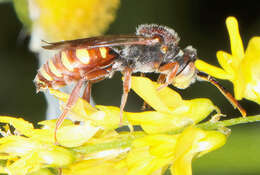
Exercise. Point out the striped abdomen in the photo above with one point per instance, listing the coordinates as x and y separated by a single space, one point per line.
72 65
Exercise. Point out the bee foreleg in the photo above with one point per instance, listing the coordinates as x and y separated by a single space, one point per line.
161 79
71 101
126 88
173 68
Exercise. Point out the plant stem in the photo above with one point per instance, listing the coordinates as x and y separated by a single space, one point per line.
235 121
126 141
122 142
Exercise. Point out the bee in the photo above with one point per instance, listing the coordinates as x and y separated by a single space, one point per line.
153 48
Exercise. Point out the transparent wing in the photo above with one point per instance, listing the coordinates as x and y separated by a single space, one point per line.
102 41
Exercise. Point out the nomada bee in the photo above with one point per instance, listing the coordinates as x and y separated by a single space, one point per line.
153 48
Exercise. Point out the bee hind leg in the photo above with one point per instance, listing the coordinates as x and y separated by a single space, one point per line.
87 91
71 101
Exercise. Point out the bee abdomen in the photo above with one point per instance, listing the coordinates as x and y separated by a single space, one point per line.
70 65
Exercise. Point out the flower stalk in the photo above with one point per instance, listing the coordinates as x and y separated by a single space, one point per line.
127 141
231 122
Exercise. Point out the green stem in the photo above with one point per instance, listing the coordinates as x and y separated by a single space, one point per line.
235 121
126 141
122 142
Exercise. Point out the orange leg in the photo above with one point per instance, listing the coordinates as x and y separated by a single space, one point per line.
145 105
71 101
74 96
87 92
173 67
228 96
161 79
94 77
126 88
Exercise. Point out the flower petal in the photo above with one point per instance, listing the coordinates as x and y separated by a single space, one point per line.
251 72
94 167
22 126
212 70
76 135
185 150
157 122
16 146
147 90
43 171
212 141
25 165
236 43
191 142
226 61
55 156
190 112
51 124
108 117
81 108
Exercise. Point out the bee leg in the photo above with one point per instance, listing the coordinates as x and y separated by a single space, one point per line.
142 74
88 88
161 79
87 91
71 101
172 68
126 88
228 96
94 77
145 105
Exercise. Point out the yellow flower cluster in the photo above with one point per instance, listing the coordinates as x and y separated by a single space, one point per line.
240 67
169 138
154 153
70 19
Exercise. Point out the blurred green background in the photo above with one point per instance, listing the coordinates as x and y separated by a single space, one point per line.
199 23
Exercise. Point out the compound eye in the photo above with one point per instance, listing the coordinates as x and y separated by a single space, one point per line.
164 49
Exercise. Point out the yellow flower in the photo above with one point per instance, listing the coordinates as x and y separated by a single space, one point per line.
70 135
154 153
194 142
99 156
172 112
241 67
43 171
69 19
31 150
150 154
25 155
106 117
97 167
104 153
